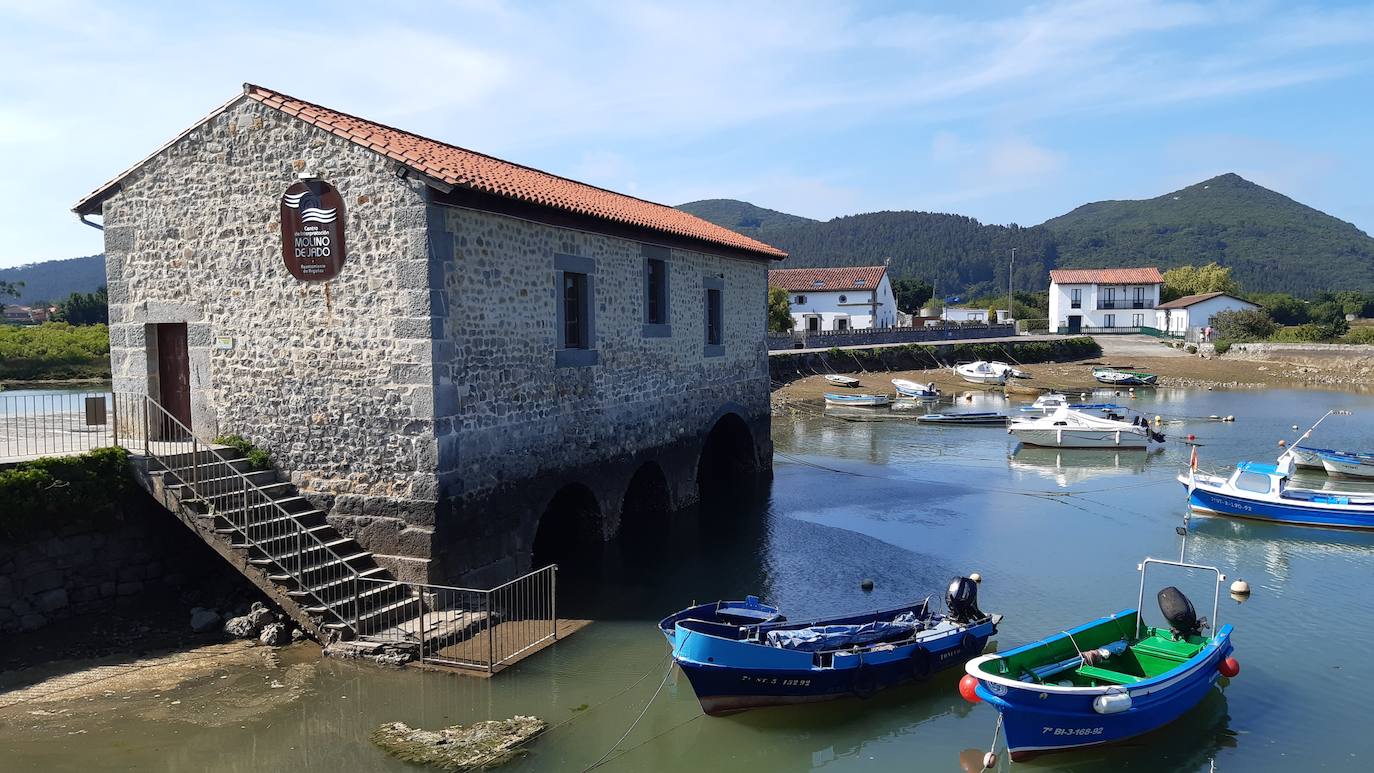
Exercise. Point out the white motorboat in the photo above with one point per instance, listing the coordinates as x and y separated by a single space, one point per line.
864 401
1052 402
1008 370
1067 428
982 372
907 388
1347 465
844 381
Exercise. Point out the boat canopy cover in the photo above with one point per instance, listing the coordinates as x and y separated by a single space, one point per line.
829 637
1259 467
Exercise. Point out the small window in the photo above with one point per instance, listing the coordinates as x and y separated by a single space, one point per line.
841 323
1076 298
843 299
818 283
713 320
655 292
1253 481
714 302
574 311
860 282
574 296
801 299
1108 320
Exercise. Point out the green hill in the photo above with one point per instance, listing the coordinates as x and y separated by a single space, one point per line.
1271 242
54 280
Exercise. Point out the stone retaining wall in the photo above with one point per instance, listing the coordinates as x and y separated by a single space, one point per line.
1350 356
892 335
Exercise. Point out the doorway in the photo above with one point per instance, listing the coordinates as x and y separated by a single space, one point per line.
1075 323
174 372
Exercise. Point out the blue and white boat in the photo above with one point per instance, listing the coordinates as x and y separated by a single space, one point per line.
864 401
734 667
913 390
1108 680
1052 402
748 612
1263 492
1343 465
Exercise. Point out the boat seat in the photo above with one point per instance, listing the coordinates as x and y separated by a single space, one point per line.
1105 675
745 615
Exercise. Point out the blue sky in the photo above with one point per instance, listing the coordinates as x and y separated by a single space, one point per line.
1005 112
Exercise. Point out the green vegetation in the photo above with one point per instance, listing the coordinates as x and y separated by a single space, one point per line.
53 492
9 290
54 350
779 311
53 279
1191 280
911 294
1359 335
258 459
85 308
1244 325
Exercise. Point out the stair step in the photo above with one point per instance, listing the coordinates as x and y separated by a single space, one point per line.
357 622
266 541
341 541
318 589
232 488
228 482
380 590
316 568
288 504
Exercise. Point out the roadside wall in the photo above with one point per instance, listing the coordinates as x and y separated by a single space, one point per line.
1346 356
785 368
894 335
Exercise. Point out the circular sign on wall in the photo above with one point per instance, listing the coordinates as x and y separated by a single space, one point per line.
312 233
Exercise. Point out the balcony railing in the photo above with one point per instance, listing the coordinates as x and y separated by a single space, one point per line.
1123 305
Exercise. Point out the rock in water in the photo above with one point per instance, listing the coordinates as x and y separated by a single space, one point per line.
240 627
274 635
203 620
261 615
479 745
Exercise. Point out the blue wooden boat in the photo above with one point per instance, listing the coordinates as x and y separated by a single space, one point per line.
980 418
1263 492
735 667
750 611
865 401
1108 680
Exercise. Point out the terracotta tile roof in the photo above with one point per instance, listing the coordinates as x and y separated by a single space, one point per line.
1107 276
1190 300
801 279
458 167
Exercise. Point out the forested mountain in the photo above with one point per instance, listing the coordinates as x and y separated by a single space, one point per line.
54 280
957 254
1272 243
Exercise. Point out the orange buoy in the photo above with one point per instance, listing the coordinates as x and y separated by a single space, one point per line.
968 687
1282 443
1191 436
1229 667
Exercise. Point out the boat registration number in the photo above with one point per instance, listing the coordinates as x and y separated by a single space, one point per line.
776 681
1071 730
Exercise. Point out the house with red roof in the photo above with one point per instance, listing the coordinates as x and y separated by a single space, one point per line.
1103 299
848 298
468 366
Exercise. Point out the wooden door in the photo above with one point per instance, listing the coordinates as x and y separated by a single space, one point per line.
174 371
1075 323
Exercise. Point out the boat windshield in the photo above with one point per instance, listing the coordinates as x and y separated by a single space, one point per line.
1254 482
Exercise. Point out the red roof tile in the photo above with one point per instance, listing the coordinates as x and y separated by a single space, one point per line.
463 168
1106 276
801 279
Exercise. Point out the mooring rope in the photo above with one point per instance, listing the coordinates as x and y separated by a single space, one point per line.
603 759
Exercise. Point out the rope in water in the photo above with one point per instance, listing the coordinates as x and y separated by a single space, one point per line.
603 759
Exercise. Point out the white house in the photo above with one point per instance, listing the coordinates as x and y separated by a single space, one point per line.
837 298
1084 298
1193 312
963 314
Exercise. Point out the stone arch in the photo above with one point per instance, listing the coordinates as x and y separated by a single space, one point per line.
645 511
569 532
729 458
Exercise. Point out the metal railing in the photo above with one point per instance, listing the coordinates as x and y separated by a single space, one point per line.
33 426
473 627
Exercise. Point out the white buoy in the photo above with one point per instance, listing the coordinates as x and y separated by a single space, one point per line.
1229 418
1295 428
976 577
989 760
1240 588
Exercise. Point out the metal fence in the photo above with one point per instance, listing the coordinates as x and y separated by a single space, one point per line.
473 627
32 426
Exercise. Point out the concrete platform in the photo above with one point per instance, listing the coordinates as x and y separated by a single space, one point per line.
475 648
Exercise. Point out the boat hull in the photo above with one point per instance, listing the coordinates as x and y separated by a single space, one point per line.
1347 467
1079 438
1307 458
860 401
1037 720
723 688
1208 500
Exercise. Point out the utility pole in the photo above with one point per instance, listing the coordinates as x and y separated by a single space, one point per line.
1010 268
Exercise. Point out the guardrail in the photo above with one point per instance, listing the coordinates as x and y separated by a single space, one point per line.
476 628
32 426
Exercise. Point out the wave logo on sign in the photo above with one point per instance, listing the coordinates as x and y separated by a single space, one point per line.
307 202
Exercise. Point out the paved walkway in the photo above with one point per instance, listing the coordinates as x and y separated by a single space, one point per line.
938 342
1122 347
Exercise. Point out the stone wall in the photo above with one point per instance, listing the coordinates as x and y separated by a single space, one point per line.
892 335
332 378
507 414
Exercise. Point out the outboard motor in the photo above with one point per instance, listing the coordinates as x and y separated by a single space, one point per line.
962 600
1158 437
1178 610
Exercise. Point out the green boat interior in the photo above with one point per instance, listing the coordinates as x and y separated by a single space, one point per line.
1131 655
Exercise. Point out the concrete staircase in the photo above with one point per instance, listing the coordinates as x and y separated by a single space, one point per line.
326 582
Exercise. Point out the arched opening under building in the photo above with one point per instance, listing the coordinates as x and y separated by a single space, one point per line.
645 515
728 460
569 532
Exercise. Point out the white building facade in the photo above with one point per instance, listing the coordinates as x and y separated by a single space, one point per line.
830 299
1191 313
1082 299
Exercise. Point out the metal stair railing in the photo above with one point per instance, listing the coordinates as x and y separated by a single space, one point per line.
258 519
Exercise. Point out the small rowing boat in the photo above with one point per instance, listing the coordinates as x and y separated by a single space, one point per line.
1105 681
981 372
1117 377
748 612
1344 465
1067 428
1051 402
975 419
906 388
860 400
734 667
844 381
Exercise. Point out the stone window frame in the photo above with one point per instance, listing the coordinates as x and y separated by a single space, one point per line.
712 282
653 253
565 357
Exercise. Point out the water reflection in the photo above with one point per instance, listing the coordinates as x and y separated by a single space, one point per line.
1066 466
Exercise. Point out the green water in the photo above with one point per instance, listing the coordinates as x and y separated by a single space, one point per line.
1055 535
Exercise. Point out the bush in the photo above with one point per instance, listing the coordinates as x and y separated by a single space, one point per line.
1359 335
1312 332
1223 347
52 492
54 350
1244 325
258 459
1190 349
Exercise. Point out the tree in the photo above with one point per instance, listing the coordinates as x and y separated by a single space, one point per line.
1191 280
1283 308
9 290
911 294
779 310
84 308
1244 325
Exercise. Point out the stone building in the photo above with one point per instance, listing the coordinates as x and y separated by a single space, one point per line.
467 362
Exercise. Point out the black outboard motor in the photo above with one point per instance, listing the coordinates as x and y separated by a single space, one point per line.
1178 610
962 600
